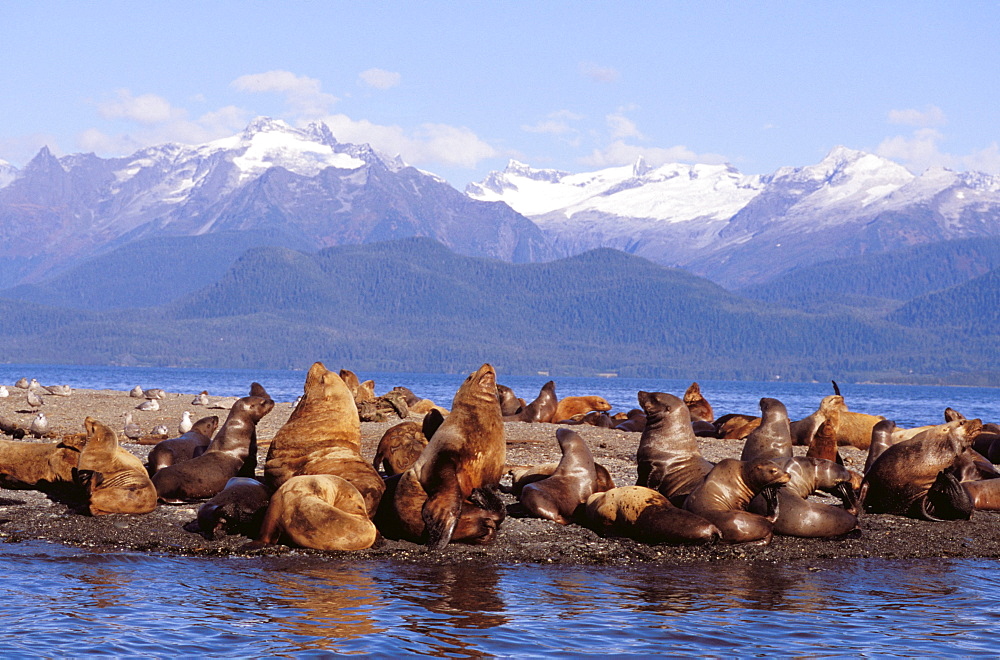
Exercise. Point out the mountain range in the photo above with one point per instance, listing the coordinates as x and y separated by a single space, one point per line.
288 243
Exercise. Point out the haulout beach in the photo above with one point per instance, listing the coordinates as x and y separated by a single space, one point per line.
32 515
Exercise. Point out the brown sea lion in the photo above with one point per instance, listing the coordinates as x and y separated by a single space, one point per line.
466 453
115 480
911 477
882 439
185 447
800 517
36 465
634 422
400 445
772 437
735 426
424 406
573 405
319 511
351 381
698 406
477 524
238 509
804 429
824 440
643 514
323 436
509 403
522 476
206 475
668 456
725 494
542 409
558 496
408 395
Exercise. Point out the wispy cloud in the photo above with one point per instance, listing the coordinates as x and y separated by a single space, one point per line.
929 116
427 144
597 73
379 78
304 95
623 149
145 108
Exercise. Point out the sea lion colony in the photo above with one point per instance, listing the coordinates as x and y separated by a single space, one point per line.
440 480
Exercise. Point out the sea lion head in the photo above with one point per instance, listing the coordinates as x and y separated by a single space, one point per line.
761 474
663 405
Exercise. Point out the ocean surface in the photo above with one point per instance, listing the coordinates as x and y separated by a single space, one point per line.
58 601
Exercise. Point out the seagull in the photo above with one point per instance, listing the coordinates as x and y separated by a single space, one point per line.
136 392
201 399
34 400
59 390
186 423
160 429
154 393
131 429
34 385
39 425
148 404
22 383
3 392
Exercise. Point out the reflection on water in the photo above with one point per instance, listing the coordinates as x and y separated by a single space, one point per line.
62 601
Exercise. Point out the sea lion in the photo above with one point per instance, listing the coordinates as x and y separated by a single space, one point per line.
407 393
115 480
184 447
477 524
400 445
643 514
668 456
797 516
509 403
558 496
36 465
522 476
238 508
323 436
634 422
882 439
824 441
466 453
424 406
573 405
724 495
319 511
351 381
911 477
698 406
206 475
735 426
542 409
772 437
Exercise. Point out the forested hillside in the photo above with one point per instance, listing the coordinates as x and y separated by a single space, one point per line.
414 305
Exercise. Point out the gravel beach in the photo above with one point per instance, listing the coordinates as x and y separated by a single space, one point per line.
31 515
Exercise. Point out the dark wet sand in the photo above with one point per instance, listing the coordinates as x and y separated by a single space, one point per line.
28 515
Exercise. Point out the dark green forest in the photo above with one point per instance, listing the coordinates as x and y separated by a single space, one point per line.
413 305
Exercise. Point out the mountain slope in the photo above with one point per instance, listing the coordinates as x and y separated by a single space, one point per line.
880 281
270 178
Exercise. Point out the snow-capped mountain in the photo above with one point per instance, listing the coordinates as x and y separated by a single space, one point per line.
737 229
298 182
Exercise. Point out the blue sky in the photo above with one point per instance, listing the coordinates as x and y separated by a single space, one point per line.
458 88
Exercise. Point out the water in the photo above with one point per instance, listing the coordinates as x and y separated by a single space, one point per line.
58 601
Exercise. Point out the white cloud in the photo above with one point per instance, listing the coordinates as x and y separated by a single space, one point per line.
922 150
145 108
620 152
379 78
929 116
555 123
304 95
427 144
178 128
597 73
622 127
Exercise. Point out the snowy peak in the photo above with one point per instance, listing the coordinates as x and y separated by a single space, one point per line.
671 193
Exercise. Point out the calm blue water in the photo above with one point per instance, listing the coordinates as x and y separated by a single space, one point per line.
58 601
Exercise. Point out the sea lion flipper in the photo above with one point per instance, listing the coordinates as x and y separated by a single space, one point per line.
946 500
